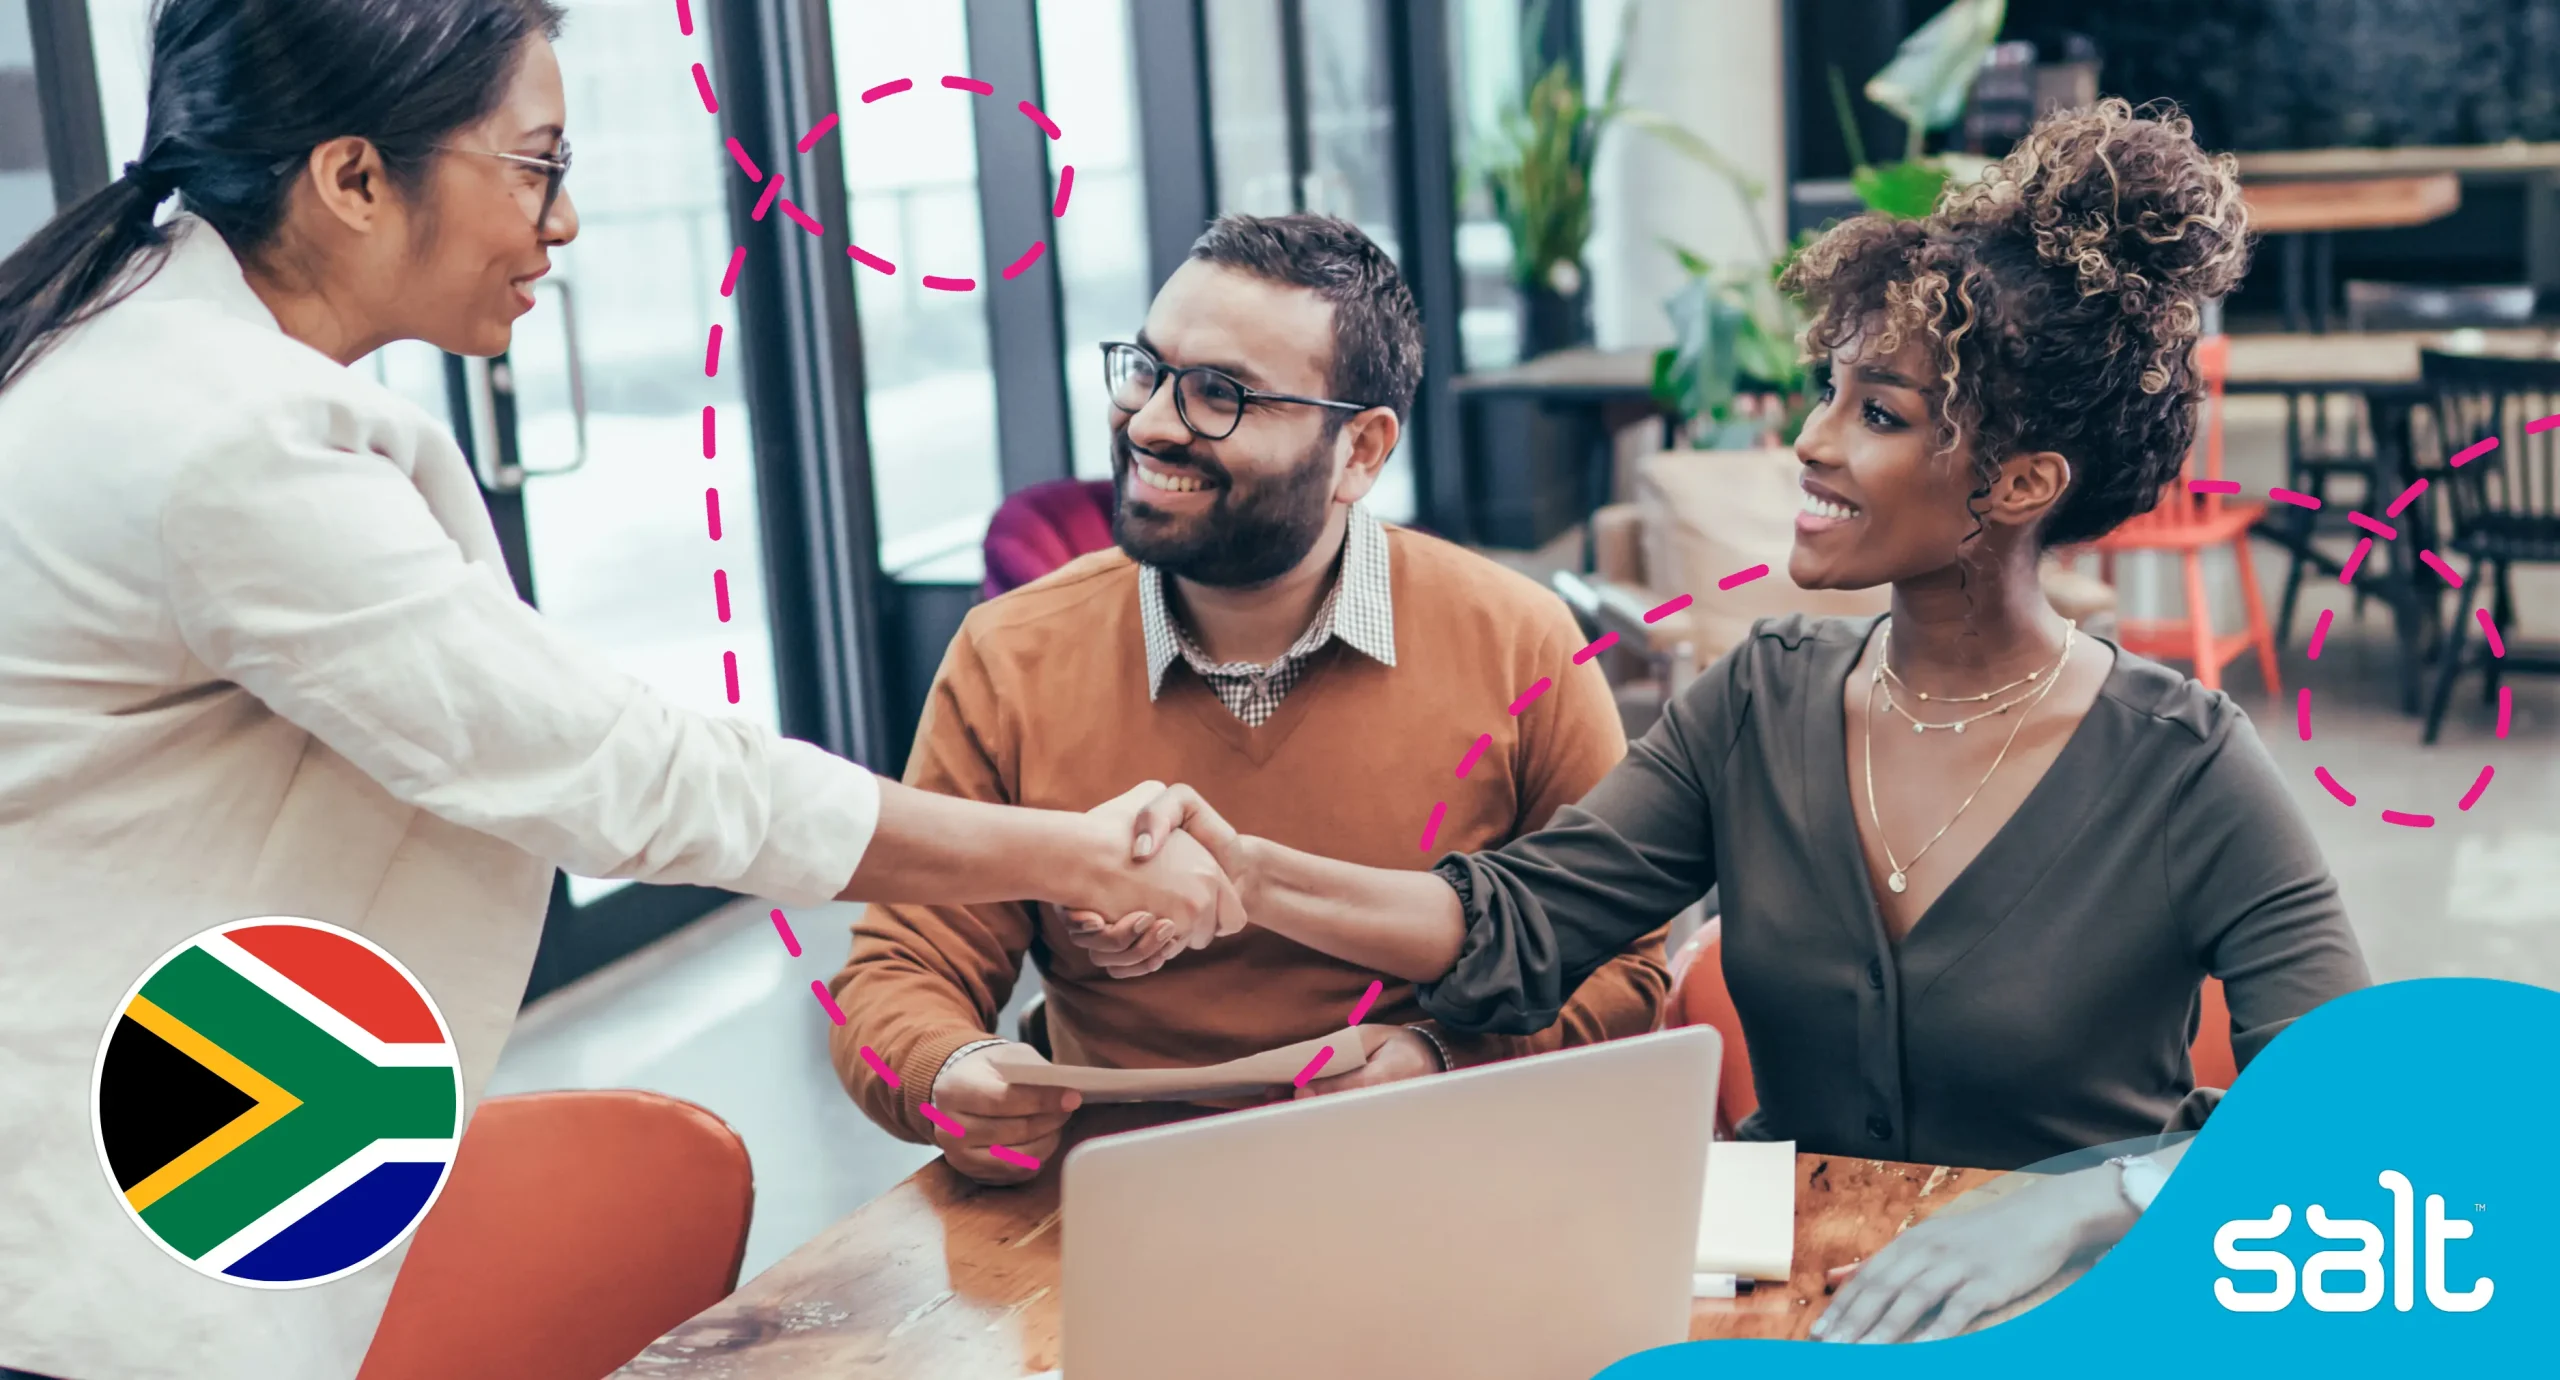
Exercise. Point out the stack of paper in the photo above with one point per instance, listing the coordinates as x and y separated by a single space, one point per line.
1259 1073
1747 1219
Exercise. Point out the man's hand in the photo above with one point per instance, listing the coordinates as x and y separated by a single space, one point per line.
974 1092
1405 1055
1131 946
1934 1280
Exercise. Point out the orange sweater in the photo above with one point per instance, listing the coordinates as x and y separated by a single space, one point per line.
1042 700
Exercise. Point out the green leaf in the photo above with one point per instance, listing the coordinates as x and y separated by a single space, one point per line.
1933 71
1904 191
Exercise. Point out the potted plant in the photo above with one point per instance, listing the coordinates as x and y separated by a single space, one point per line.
1540 181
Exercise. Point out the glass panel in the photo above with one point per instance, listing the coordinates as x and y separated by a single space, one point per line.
1486 54
120 41
1248 107
619 550
1088 87
1351 127
415 370
26 183
931 399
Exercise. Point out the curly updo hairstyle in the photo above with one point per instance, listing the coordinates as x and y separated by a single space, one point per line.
2060 300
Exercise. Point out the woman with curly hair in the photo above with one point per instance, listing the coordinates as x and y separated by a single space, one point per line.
1975 864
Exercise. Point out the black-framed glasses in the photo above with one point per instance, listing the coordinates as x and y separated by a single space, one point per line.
555 171
1211 402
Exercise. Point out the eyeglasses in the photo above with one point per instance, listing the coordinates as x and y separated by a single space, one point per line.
555 171
1210 402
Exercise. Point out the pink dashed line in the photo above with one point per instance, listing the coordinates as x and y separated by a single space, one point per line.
684 17
1066 183
971 85
710 434
2479 784
711 356
1665 609
1029 257
1322 1057
1598 645
764 203
729 669
949 284
702 83
1367 1000
878 1065
801 218
1013 1157
2380 529
868 259
720 592
2347 576
738 151
835 1013
2540 425
2334 788
1439 812
887 88
2213 486
711 506
2408 821
1530 695
2436 564
2506 708
2297 500
817 132
949 1127
2472 452
2302 712
1468 763
2489 626
790 941
729 280
1032 113
2407 496
1739 578
2320 631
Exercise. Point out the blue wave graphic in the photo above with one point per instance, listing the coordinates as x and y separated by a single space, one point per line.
2449 1082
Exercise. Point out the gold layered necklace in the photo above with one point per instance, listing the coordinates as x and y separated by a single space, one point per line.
1890 679
1899 879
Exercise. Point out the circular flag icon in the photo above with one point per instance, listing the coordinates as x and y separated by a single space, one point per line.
277 1102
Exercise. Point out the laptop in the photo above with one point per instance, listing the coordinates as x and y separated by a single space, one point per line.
1530 1220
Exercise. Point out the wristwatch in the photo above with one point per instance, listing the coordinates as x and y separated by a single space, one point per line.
2140 1176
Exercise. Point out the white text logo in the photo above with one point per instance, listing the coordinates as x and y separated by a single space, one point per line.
2363 1262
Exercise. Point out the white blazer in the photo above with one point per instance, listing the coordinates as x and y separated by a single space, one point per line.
259 656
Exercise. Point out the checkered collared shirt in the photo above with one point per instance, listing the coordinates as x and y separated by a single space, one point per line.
1359 609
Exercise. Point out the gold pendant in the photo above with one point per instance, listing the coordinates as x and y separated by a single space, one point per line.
1897 882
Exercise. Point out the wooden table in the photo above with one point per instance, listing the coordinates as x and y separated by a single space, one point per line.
2306 213
941 1278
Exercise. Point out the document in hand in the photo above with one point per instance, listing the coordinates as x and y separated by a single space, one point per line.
1747 1219
1258 1073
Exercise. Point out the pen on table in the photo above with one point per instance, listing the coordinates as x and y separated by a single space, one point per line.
1717 1286
1839 1275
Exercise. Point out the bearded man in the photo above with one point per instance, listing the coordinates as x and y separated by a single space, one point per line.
1259 635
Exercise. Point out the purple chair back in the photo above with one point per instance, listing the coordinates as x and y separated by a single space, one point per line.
1044 527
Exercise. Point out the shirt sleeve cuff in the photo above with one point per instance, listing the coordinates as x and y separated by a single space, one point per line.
824 812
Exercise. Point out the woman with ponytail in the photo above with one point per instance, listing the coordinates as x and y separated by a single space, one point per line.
260 655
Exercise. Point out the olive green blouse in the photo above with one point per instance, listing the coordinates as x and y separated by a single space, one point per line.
2044 1003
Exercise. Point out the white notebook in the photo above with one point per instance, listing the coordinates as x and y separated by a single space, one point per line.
1747 1219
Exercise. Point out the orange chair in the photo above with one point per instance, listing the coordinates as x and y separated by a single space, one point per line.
1699 997
2191 524
577 1228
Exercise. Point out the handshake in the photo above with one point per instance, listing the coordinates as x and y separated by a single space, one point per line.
1175 877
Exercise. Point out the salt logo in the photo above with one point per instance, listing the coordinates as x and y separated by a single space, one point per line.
2363 1262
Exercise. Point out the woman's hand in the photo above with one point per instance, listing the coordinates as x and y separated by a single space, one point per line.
1961 1265
1159 822
1177 883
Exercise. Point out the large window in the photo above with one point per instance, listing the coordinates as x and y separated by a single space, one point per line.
911 170
1485 55
1087 87
26 182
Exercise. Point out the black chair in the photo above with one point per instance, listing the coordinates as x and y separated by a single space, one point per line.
2502 506
2321 448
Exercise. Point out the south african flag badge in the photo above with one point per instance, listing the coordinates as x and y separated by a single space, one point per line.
277 1102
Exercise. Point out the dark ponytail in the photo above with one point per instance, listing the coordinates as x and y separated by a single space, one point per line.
241 92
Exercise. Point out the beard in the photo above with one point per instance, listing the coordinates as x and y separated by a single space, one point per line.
1253 533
